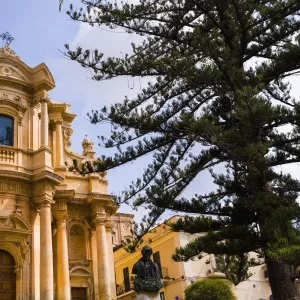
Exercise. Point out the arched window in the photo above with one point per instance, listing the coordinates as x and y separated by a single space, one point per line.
6 130
77 243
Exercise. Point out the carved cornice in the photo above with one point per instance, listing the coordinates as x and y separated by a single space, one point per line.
8 185
98 197
64 195
54 178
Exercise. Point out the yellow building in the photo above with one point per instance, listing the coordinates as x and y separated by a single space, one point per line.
55 226
178 275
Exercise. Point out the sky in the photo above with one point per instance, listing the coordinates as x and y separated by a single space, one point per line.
40 33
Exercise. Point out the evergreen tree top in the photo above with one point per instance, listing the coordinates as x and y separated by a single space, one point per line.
219 75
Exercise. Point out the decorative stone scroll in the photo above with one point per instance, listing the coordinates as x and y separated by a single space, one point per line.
68 132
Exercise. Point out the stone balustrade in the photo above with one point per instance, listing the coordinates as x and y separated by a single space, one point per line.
7 155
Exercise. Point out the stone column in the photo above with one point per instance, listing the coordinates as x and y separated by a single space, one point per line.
102 255
59 143
111 262
44 121
62 268
46 253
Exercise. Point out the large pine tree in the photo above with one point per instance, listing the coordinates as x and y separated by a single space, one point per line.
218 95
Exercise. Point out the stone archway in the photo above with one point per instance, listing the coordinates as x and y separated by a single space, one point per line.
7 276
20 268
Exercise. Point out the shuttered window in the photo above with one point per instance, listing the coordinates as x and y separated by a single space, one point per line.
156 259
126 279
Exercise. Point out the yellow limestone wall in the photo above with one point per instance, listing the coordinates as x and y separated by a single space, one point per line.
165 241
182 274
48 214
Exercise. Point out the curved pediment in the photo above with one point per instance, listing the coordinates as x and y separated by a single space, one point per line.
13 69
14 221
8 71
20 222
80 271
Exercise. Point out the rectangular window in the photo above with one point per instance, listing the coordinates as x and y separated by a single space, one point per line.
156 259
126 279
6 130
162 296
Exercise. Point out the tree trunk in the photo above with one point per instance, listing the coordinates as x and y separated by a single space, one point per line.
282 283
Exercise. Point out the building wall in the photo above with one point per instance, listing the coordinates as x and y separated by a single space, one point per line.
122 227
178 275
55 223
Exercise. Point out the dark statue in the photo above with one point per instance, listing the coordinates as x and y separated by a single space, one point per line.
147 273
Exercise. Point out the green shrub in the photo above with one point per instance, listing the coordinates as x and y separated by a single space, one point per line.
209 289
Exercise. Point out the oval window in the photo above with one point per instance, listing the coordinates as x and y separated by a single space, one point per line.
6 130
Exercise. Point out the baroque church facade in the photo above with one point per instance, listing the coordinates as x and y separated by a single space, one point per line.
56 227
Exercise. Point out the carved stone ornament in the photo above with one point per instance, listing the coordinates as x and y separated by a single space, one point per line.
6 71
20 118
87 145
6 50
17 98
88 149
76 230
68 132
6 222
18 270
4 96
19 246
18 208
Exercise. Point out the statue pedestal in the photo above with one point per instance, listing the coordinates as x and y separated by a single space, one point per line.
147 296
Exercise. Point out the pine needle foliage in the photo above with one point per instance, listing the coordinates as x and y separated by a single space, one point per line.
218 95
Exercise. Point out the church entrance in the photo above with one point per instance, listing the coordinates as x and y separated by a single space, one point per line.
7 276
78 293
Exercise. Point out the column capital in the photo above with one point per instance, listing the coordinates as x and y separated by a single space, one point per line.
44 200
108 226
99 219
44 97
60 216
58 121
40 97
